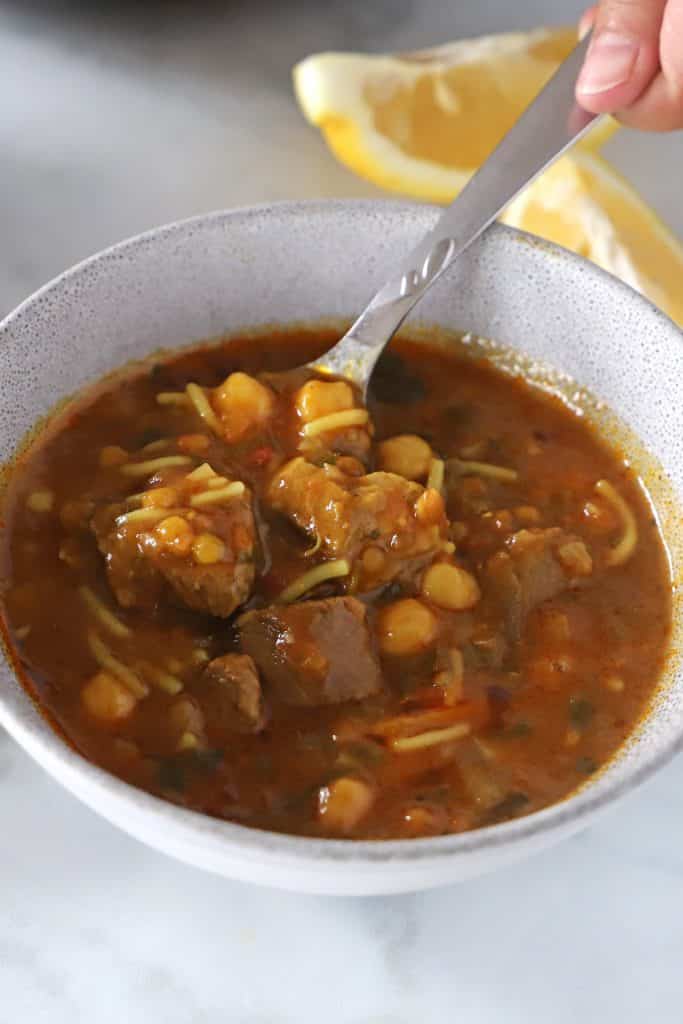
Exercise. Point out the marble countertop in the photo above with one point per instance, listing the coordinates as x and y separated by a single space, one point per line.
118 116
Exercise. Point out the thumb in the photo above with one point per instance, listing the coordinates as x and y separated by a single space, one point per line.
623 56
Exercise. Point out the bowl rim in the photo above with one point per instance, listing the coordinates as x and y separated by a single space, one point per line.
45 745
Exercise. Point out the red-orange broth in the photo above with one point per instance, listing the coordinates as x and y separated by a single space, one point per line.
489 622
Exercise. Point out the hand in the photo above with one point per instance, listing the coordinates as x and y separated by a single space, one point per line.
634 66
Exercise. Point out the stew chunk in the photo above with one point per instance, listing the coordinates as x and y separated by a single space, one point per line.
536 566
194 535
384 525
233 695
318 652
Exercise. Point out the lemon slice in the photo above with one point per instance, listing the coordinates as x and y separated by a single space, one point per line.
584 205
421 123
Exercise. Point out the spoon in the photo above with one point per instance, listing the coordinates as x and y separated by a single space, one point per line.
548 127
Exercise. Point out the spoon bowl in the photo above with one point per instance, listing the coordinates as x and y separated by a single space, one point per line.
549 126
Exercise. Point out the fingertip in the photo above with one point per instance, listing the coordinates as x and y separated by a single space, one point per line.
617 98
609 65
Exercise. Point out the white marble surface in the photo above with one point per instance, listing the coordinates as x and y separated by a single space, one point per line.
115 117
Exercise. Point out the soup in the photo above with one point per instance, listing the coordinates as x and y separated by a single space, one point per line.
232 585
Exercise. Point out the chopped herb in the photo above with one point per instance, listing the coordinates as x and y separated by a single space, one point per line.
586 765
580 712
498 696
175 771
374 535
392 591
508 807
205 761
311 741
366 752
439 794
519 729
326 458
172 774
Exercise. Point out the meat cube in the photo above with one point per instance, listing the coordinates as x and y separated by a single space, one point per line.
533 569
231 695
384 525
194 537
317 652
317 499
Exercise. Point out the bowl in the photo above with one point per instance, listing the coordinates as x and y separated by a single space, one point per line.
308 262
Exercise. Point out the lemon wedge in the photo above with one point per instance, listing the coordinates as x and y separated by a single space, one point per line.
421 123
584 205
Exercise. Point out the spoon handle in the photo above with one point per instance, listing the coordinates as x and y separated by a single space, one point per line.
551 123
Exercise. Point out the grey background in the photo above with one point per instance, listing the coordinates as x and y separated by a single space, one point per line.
115 117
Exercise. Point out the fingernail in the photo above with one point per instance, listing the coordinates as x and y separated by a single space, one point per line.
610 62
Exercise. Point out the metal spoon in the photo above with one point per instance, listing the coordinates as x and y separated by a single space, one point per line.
549 126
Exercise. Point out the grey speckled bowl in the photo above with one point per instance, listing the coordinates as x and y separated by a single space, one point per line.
288 263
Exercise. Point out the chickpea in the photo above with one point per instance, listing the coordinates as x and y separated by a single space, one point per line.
184 716
450 587
429 508
40 501
572 737
423 821
176 534
188 741
106 698
71 553
406 627
527 514
76 514
208 549
321 398
160 497
576 558
343 804
407 455
615 683
242 403
373 561
113 455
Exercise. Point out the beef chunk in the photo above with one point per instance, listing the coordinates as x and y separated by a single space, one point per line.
216 589
231 694
533 569
317 652
384 525
189 540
